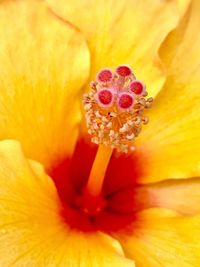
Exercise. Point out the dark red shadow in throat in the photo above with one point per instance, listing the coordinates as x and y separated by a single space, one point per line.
116 206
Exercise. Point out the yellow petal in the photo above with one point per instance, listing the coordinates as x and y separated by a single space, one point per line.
183 5
32 232
171 140
161 238
182 196
44 63
123 32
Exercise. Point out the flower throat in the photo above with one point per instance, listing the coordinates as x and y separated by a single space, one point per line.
99 194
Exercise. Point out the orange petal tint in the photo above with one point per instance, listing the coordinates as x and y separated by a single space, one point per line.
122 32
32 232
173 137
162 238
44 64
84 212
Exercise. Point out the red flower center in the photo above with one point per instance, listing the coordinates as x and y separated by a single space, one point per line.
114 208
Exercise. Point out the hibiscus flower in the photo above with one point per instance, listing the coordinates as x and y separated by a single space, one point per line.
147 210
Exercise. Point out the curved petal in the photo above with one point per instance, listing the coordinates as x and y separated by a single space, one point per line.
171 140
183 5
44 64
161 238
123 32
183 196
32 232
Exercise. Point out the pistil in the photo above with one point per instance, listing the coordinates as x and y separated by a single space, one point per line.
114 117
97 174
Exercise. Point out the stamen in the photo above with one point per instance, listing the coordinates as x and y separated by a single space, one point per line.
115 110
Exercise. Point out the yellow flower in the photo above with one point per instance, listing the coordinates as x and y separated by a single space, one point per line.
150 214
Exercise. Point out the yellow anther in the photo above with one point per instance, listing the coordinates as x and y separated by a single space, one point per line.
115 108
